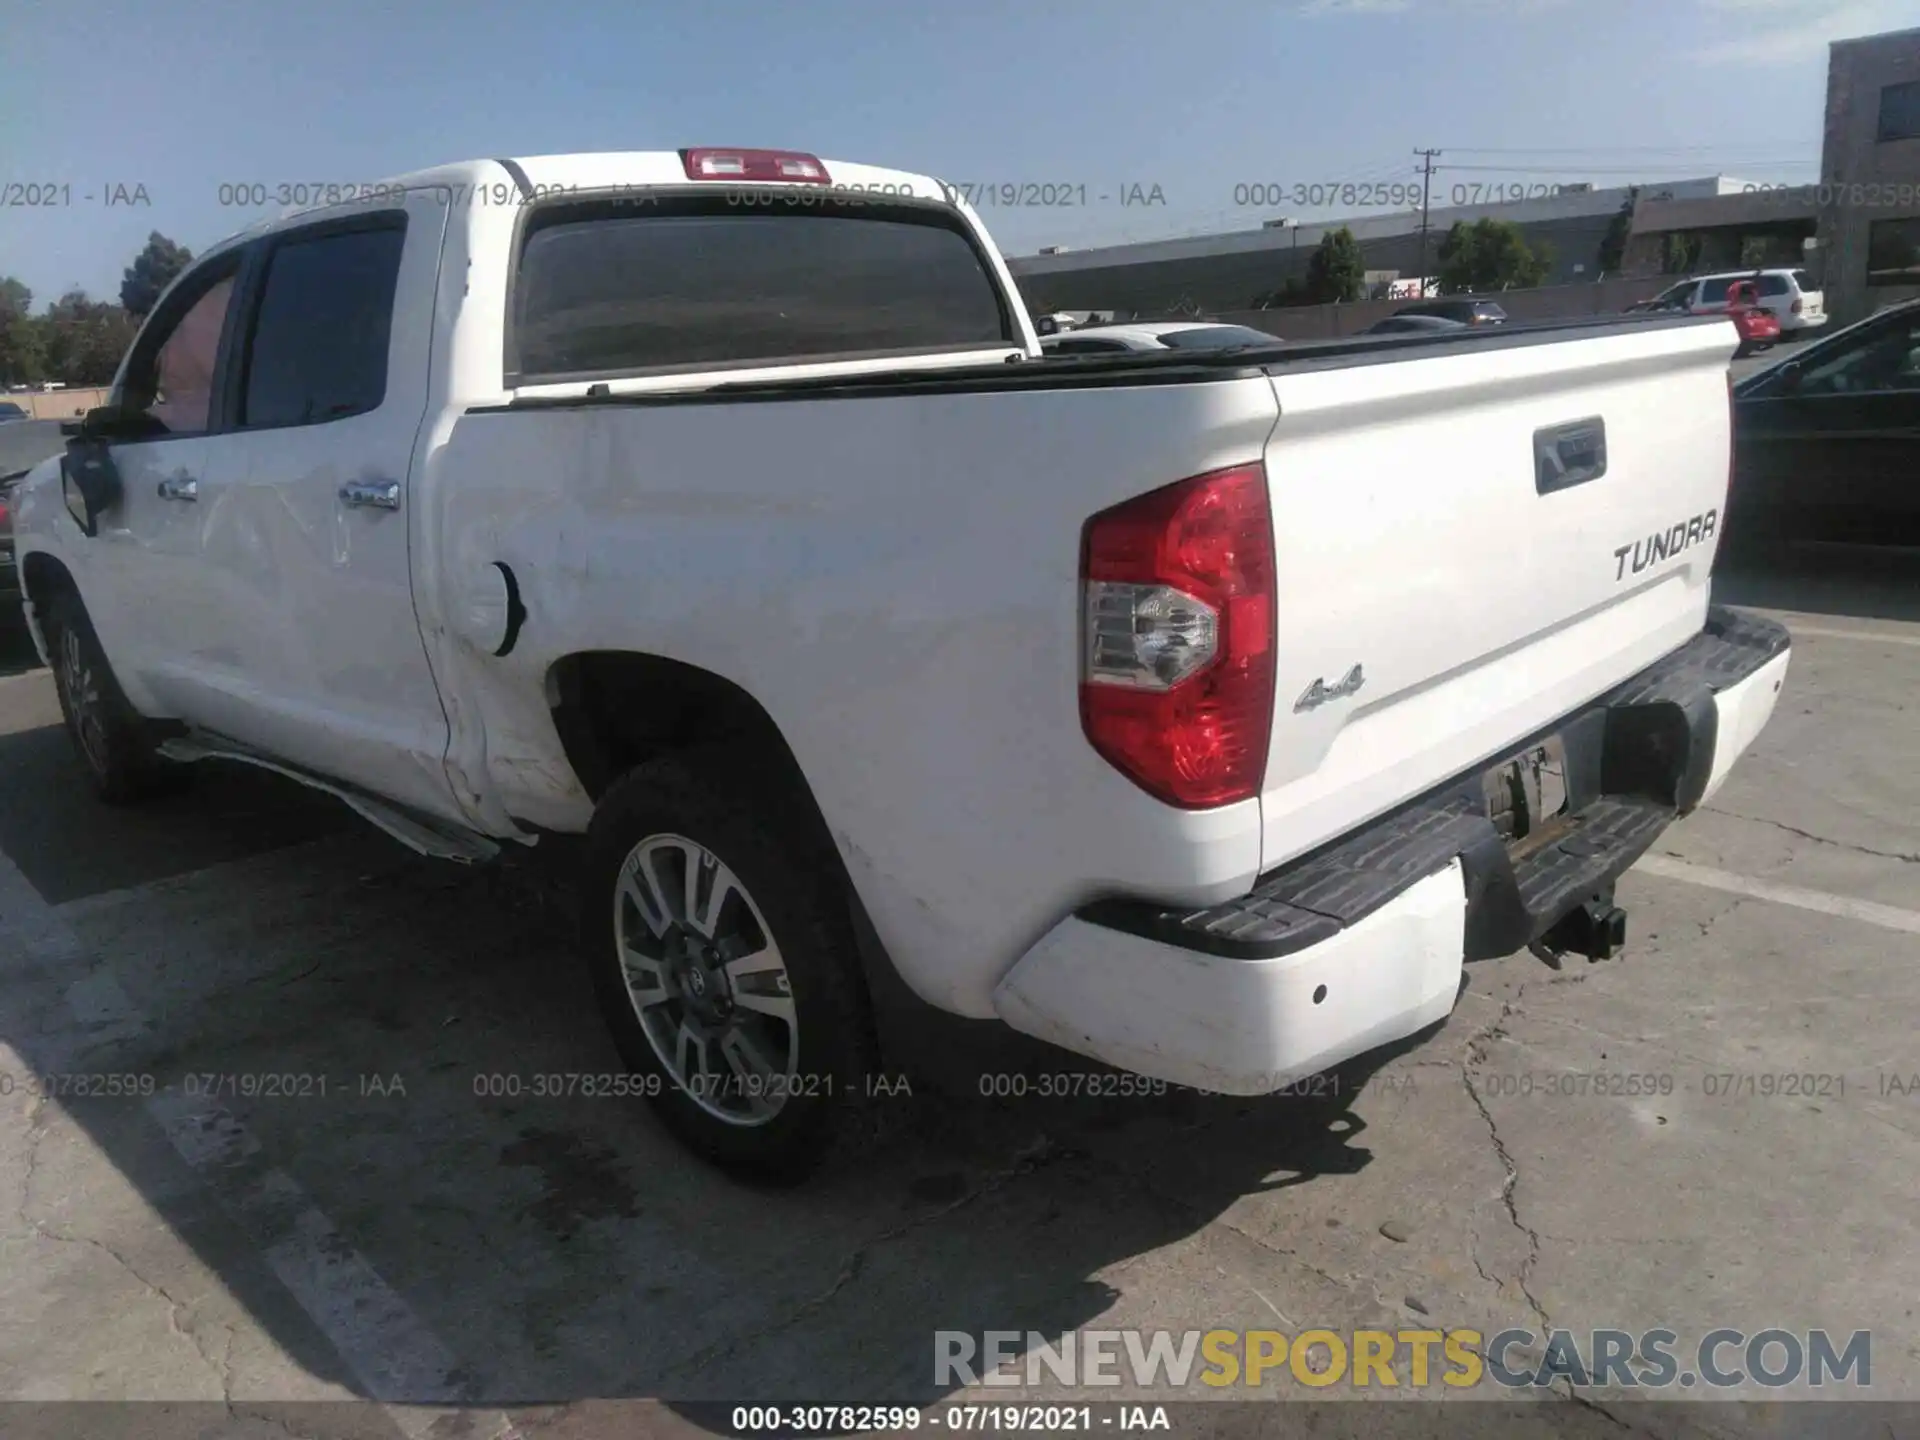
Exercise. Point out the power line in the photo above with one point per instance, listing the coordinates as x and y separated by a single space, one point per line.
1617 149
1622 169
1426 186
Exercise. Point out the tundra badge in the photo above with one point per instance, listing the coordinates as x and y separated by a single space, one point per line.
1319 692
1681 535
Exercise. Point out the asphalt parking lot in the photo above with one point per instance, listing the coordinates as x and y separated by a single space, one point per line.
370 1224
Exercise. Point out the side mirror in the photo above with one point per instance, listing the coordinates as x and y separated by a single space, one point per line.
89 480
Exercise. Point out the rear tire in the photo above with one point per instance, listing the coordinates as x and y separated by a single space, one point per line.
722 952
115 745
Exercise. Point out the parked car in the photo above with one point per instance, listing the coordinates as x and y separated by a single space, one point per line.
23 445
1789 294
1826 445
873 675
1758 328
1464 308
1405 324
1155 335
11 411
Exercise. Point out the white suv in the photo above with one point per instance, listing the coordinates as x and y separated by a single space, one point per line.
1789 294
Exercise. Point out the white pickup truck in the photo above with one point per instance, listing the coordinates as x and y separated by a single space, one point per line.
1200 713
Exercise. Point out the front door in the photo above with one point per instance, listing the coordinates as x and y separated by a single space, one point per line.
1830 447
140 577
308 534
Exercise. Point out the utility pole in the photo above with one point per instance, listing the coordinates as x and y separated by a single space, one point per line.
1426 184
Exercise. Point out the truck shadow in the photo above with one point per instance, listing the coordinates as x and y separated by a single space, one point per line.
561 1245
1858 581
17 655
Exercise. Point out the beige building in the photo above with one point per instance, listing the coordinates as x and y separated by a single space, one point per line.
1869 200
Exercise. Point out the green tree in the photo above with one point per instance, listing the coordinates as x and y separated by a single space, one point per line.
86 338
1337 270
152 271
1613 245
1680 252
23 347
1490 255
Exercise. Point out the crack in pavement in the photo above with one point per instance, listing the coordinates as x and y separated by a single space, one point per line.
1905 857
36 1132
1475 1054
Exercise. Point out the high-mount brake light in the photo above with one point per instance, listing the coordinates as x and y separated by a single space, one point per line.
1177 631
791 166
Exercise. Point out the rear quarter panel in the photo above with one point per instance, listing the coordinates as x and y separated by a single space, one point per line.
895 579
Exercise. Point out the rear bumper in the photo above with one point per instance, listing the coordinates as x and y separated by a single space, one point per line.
1362 943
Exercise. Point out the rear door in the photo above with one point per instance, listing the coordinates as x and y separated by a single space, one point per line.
1471 543
308 538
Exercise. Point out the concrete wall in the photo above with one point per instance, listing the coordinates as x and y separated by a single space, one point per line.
56 404
1857 70
1553 302
1235 280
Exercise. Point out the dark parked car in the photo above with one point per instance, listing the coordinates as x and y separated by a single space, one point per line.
23 445
1405 324
1465 309
1826 445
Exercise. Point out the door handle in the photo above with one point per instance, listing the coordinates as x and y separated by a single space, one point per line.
179 486
371 494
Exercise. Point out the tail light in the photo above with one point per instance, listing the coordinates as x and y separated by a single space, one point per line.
1177 662
1796 304
708 163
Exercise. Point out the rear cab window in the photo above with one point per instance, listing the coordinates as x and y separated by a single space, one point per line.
693 282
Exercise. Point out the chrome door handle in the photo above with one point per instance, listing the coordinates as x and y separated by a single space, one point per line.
375 494
179 486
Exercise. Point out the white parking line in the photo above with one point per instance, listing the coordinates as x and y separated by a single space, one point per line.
1889 917
390 1351
1870 635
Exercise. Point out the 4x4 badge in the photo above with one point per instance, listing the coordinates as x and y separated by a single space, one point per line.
1319 692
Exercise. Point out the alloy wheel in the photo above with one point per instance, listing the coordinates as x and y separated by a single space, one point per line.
706 980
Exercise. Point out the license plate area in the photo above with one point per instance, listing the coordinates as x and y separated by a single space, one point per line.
1527 797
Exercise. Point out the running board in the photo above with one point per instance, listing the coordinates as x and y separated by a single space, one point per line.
427 837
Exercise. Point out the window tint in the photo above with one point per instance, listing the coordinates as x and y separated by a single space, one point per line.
1774 285
1217 337
1714 292
1893 252
1804 281
319 344
1487 310
605 295
1083 347
171 379
1885 357
1900 111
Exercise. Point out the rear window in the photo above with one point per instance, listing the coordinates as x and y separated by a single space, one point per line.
602 293
1217 337
1804 282
1774 285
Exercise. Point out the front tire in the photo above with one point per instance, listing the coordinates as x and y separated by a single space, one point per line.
114 743
722 952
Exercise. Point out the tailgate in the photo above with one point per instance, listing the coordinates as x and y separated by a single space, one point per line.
1451 577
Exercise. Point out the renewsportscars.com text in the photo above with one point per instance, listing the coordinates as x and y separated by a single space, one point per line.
1403 1359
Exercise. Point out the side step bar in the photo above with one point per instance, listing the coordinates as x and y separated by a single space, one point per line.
416 832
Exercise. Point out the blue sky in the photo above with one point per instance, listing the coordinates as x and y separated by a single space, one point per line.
1196 97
